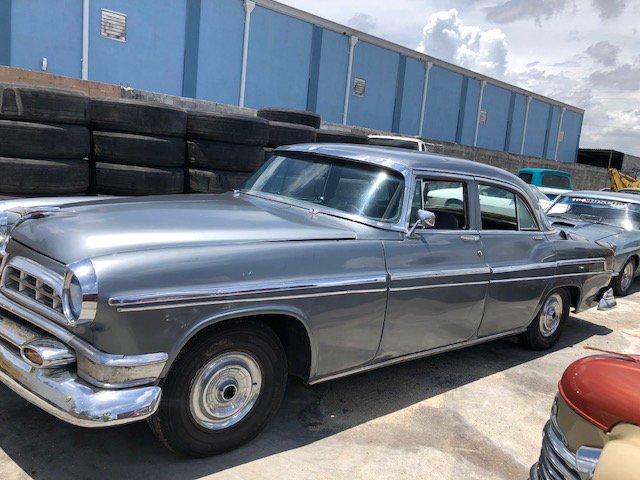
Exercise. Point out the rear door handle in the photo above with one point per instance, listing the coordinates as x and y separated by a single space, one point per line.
470 238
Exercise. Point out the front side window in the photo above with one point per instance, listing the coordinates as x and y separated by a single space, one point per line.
367 190
550 180
526 220
446 199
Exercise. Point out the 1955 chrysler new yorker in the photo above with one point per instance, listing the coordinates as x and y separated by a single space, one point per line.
192 310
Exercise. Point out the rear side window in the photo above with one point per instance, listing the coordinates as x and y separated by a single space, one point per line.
497 208
447 200
526 177
556 181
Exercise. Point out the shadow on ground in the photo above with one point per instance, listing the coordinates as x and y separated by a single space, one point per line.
46 448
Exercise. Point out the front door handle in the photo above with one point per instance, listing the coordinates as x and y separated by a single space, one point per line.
470 238
538 238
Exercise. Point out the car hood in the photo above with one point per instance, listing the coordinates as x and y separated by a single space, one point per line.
604 389
92 229
589 230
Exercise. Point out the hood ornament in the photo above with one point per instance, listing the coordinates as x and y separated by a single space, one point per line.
31 213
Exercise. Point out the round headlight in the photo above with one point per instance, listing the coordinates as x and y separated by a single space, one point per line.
75 297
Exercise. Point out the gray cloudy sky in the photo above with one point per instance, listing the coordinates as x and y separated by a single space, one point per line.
583 52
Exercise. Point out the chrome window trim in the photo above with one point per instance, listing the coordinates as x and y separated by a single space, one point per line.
438 285
439 274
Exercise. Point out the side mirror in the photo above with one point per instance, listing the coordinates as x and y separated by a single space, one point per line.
426 219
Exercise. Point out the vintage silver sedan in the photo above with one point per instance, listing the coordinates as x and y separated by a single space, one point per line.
192 310
608 218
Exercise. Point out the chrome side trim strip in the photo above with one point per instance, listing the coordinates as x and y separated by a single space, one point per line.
437 285
247 300
547 277
579 261
415 356
439 274
524 268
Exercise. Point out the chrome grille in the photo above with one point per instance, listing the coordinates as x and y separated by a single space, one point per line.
32 287
557 462
29 283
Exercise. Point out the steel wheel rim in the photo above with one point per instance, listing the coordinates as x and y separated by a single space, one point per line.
627 276
225 390
551 315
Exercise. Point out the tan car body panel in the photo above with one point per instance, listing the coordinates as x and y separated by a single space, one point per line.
620 459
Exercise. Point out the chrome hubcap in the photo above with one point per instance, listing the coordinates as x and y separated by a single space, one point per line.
225 390
551 315
627 276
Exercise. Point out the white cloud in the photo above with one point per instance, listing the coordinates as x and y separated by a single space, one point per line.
605 53
608 9
363 22
445 36
513 10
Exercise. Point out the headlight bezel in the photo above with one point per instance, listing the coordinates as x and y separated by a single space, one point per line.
84 274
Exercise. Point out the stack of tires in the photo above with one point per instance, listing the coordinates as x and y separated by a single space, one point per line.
339 136
223 149
137 147
44 141
289 127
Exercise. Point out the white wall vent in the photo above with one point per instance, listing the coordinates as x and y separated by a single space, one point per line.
483 117
113 25
359 87
561 136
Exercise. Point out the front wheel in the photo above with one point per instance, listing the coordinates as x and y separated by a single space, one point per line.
222 390
544 331
622 283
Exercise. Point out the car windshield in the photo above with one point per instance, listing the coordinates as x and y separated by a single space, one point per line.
538 193
366 190
598 210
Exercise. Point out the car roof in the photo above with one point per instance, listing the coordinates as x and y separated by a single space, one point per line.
621 197
396 137
404 160
545 170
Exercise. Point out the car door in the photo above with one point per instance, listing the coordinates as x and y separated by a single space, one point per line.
521 258
438 277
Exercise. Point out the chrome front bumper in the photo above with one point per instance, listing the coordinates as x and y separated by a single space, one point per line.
61 392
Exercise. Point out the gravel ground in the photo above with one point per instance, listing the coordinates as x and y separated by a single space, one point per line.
476 413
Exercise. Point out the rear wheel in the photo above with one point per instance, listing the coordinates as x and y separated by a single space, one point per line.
222 390
622 283
544 331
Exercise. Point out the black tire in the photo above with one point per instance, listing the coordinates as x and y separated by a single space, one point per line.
43 104
136 116
174 423
286 115
140 150
534 338
226 127
225 156
23 176
336 136
112 179
202 181
617 283
40 140
290 134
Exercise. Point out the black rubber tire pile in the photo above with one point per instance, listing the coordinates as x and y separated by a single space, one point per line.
44 141
58 142
137 148
223 149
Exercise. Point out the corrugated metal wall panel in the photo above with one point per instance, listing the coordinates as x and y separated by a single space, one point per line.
492 133
571 125
412 97
279 60
334 62
379 68
53 30
152 58
220 51
536 129
443 104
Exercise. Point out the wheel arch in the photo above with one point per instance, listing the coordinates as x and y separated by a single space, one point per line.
289 324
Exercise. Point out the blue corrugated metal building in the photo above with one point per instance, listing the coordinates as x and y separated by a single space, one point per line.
262 53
